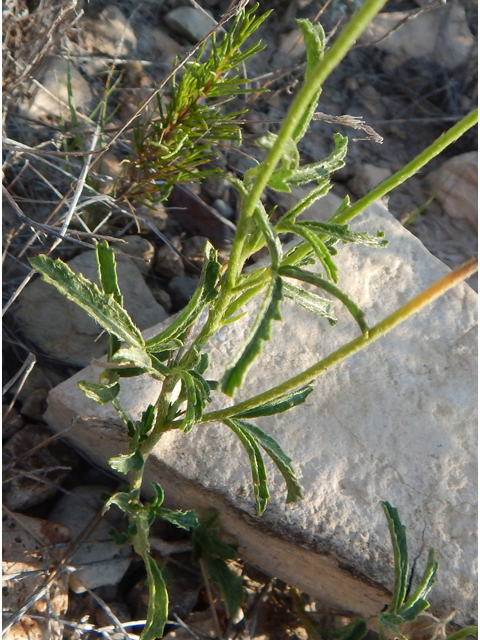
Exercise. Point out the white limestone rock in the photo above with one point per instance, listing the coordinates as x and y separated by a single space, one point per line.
396 422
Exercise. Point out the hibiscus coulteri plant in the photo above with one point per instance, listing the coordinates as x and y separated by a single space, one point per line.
169 149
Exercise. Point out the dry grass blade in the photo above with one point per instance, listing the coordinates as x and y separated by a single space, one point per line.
356 122
22 373
103 605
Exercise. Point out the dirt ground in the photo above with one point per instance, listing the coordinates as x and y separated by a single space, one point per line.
409 102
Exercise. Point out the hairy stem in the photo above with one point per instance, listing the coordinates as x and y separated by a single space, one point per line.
413 167
302 101
403 313
445 140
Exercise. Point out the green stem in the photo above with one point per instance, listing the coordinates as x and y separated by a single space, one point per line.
466 631
302 101
380 329
446 139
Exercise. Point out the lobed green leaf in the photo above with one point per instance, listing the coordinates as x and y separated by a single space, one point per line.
261 330
229 583
127 462
283 403
314 38
400 557
310 301
279 457
342 232
107 270
182 519
426 583
101 393
157 613
205 293
317 280
100 306
259 474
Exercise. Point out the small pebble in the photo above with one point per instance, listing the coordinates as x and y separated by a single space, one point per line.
223 208
162 297
35 405
168 264
138 249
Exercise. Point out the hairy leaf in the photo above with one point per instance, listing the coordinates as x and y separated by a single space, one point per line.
261 330
400 555
124 501
157 613
191 412
323 168
259 474
182 519
100 306
205 540
101 393
317 280
425 584
230 584
125 463
273 242
317 192
314 38
391 622
321 306
342 232
205 292
279 457
107 270
283 403
168 345
318 246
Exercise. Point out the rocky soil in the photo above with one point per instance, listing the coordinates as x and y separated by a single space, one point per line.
407 87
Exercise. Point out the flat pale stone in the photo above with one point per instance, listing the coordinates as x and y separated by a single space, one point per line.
442 34
190 22
65 331
53 102
396 422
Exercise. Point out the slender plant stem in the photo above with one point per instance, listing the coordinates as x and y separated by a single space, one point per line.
448 138
403 313
302 101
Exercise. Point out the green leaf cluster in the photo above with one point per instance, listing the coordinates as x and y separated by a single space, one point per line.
254 439
170 148
405 608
